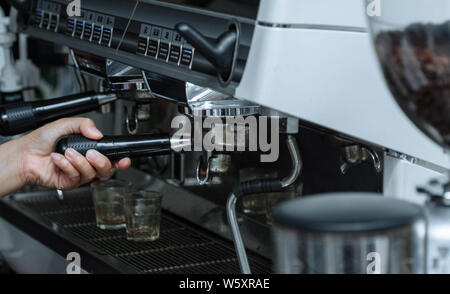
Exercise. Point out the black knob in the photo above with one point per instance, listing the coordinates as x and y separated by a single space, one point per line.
221 52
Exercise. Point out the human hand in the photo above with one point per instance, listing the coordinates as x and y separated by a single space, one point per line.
40 165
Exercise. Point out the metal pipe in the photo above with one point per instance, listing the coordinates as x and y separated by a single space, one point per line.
80 79
297 165
296 160
238 242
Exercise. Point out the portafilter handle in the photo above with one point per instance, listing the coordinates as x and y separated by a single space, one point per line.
118 147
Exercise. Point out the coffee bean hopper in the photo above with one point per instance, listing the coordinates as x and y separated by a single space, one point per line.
412 42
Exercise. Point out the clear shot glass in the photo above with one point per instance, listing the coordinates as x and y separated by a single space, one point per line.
143 215
108 198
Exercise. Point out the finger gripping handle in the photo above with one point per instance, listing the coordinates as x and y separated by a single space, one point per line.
77 142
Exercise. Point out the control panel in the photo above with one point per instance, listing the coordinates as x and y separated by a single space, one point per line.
47 16
155 42
139 34
165 45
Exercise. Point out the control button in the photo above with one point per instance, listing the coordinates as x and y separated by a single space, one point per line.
186 57
87 31
145 30
78 29
109 21
54 20
174 55
152 49
90 16
163 52
156 32
37 18
100 18
177 38
106 36
70 26
142 46
45 20
97 34
167 35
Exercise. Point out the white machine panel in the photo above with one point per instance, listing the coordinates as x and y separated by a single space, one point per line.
346 13
330 77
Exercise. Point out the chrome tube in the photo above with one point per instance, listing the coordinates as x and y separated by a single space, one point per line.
296 160
237 237
231 204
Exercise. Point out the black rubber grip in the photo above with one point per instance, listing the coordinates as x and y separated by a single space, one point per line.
20 118
16 118
77 142
118 147
257 187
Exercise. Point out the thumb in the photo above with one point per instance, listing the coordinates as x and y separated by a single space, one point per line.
68 126
89 130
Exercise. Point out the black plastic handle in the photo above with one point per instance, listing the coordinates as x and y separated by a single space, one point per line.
219 52
20 117
16 118
118 147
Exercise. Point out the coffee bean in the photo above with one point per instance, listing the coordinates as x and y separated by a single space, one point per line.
416 63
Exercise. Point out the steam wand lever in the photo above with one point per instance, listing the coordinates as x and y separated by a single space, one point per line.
221 52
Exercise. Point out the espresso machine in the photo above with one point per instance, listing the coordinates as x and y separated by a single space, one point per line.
303 72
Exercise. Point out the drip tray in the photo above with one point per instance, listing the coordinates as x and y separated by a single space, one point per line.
183 248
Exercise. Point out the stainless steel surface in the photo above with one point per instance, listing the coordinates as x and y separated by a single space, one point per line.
349 233
354 155
211 103
231 204
202 171
438 239
80 79
238 242
211 165
296 161
178 144
131 120
223 108
147 84
438 212
390 252
196 93
106 98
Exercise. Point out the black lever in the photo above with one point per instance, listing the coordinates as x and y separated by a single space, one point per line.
220 52
117 147
16 118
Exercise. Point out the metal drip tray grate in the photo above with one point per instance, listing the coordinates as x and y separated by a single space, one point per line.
181 249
